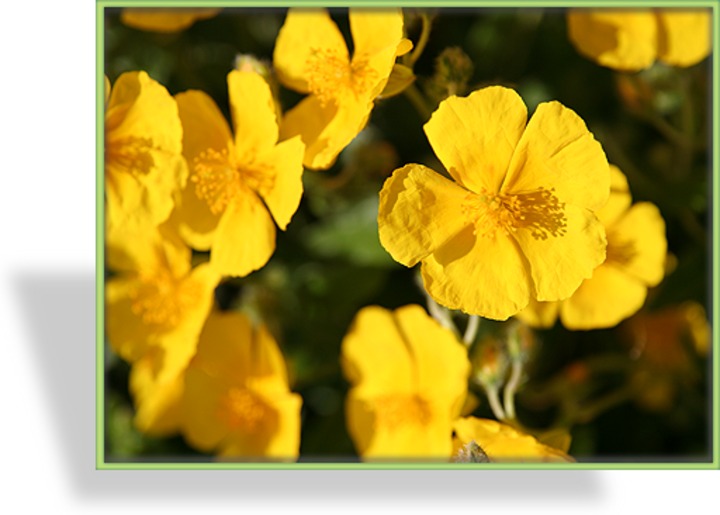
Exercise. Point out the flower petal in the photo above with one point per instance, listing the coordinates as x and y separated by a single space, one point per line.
622 39
479 275
475 137
253 113
245 237
325 129
557 151
559 264
605 299
193 220
419 211
164 20
282 167
375 357
684 37
305 32
204 126
619 200
642 228
127 335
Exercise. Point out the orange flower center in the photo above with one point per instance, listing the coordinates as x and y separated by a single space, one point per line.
330 75
393 411
242 409
218 179
162 300
538 211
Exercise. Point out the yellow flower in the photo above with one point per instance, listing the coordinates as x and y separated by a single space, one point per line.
499 442
164 20
636 252
221 208
311 57
517 224
237 400
631 40
409 380
144 167
155 309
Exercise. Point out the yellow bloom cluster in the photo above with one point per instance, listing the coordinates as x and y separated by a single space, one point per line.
632 39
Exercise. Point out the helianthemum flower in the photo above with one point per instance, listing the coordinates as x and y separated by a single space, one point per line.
221 208
311 57
636 252
164 20
483 440
631 40
155 309
517 223
409 381
144 167
237 401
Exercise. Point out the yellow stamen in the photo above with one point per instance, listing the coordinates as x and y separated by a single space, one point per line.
330 75
242 409
539 212
393 411
161 299
132 154
620 253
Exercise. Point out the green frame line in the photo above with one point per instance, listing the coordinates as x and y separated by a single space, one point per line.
101 464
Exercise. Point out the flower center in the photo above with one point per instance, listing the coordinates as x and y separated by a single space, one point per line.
242 409
330 75
161 299
539 212
218 179
393 411
131 154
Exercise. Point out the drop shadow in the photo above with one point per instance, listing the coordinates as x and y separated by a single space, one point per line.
59 315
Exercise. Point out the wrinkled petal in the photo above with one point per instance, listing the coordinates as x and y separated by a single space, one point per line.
621 39
253 113
245 237
145 250
325 129
540 314
684 37
419 211
193 220
559 264
479 275
475 137
637 242
605 299
558 152
304 33
281 169
164 20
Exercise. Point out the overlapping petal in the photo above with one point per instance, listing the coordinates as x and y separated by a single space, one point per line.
684 36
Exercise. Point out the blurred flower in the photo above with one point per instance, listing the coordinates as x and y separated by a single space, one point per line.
164 20
144 167
636 253
221 207
483 440
631 40
518 221
409 381
665 345
311 57
453 70
155 309
236 400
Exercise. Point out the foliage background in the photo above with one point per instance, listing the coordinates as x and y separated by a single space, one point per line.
329 263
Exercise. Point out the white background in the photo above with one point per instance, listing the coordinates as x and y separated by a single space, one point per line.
47 254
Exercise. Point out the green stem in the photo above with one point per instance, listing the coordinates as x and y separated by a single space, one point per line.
417 51
418 101
511 388
471 330
494 400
